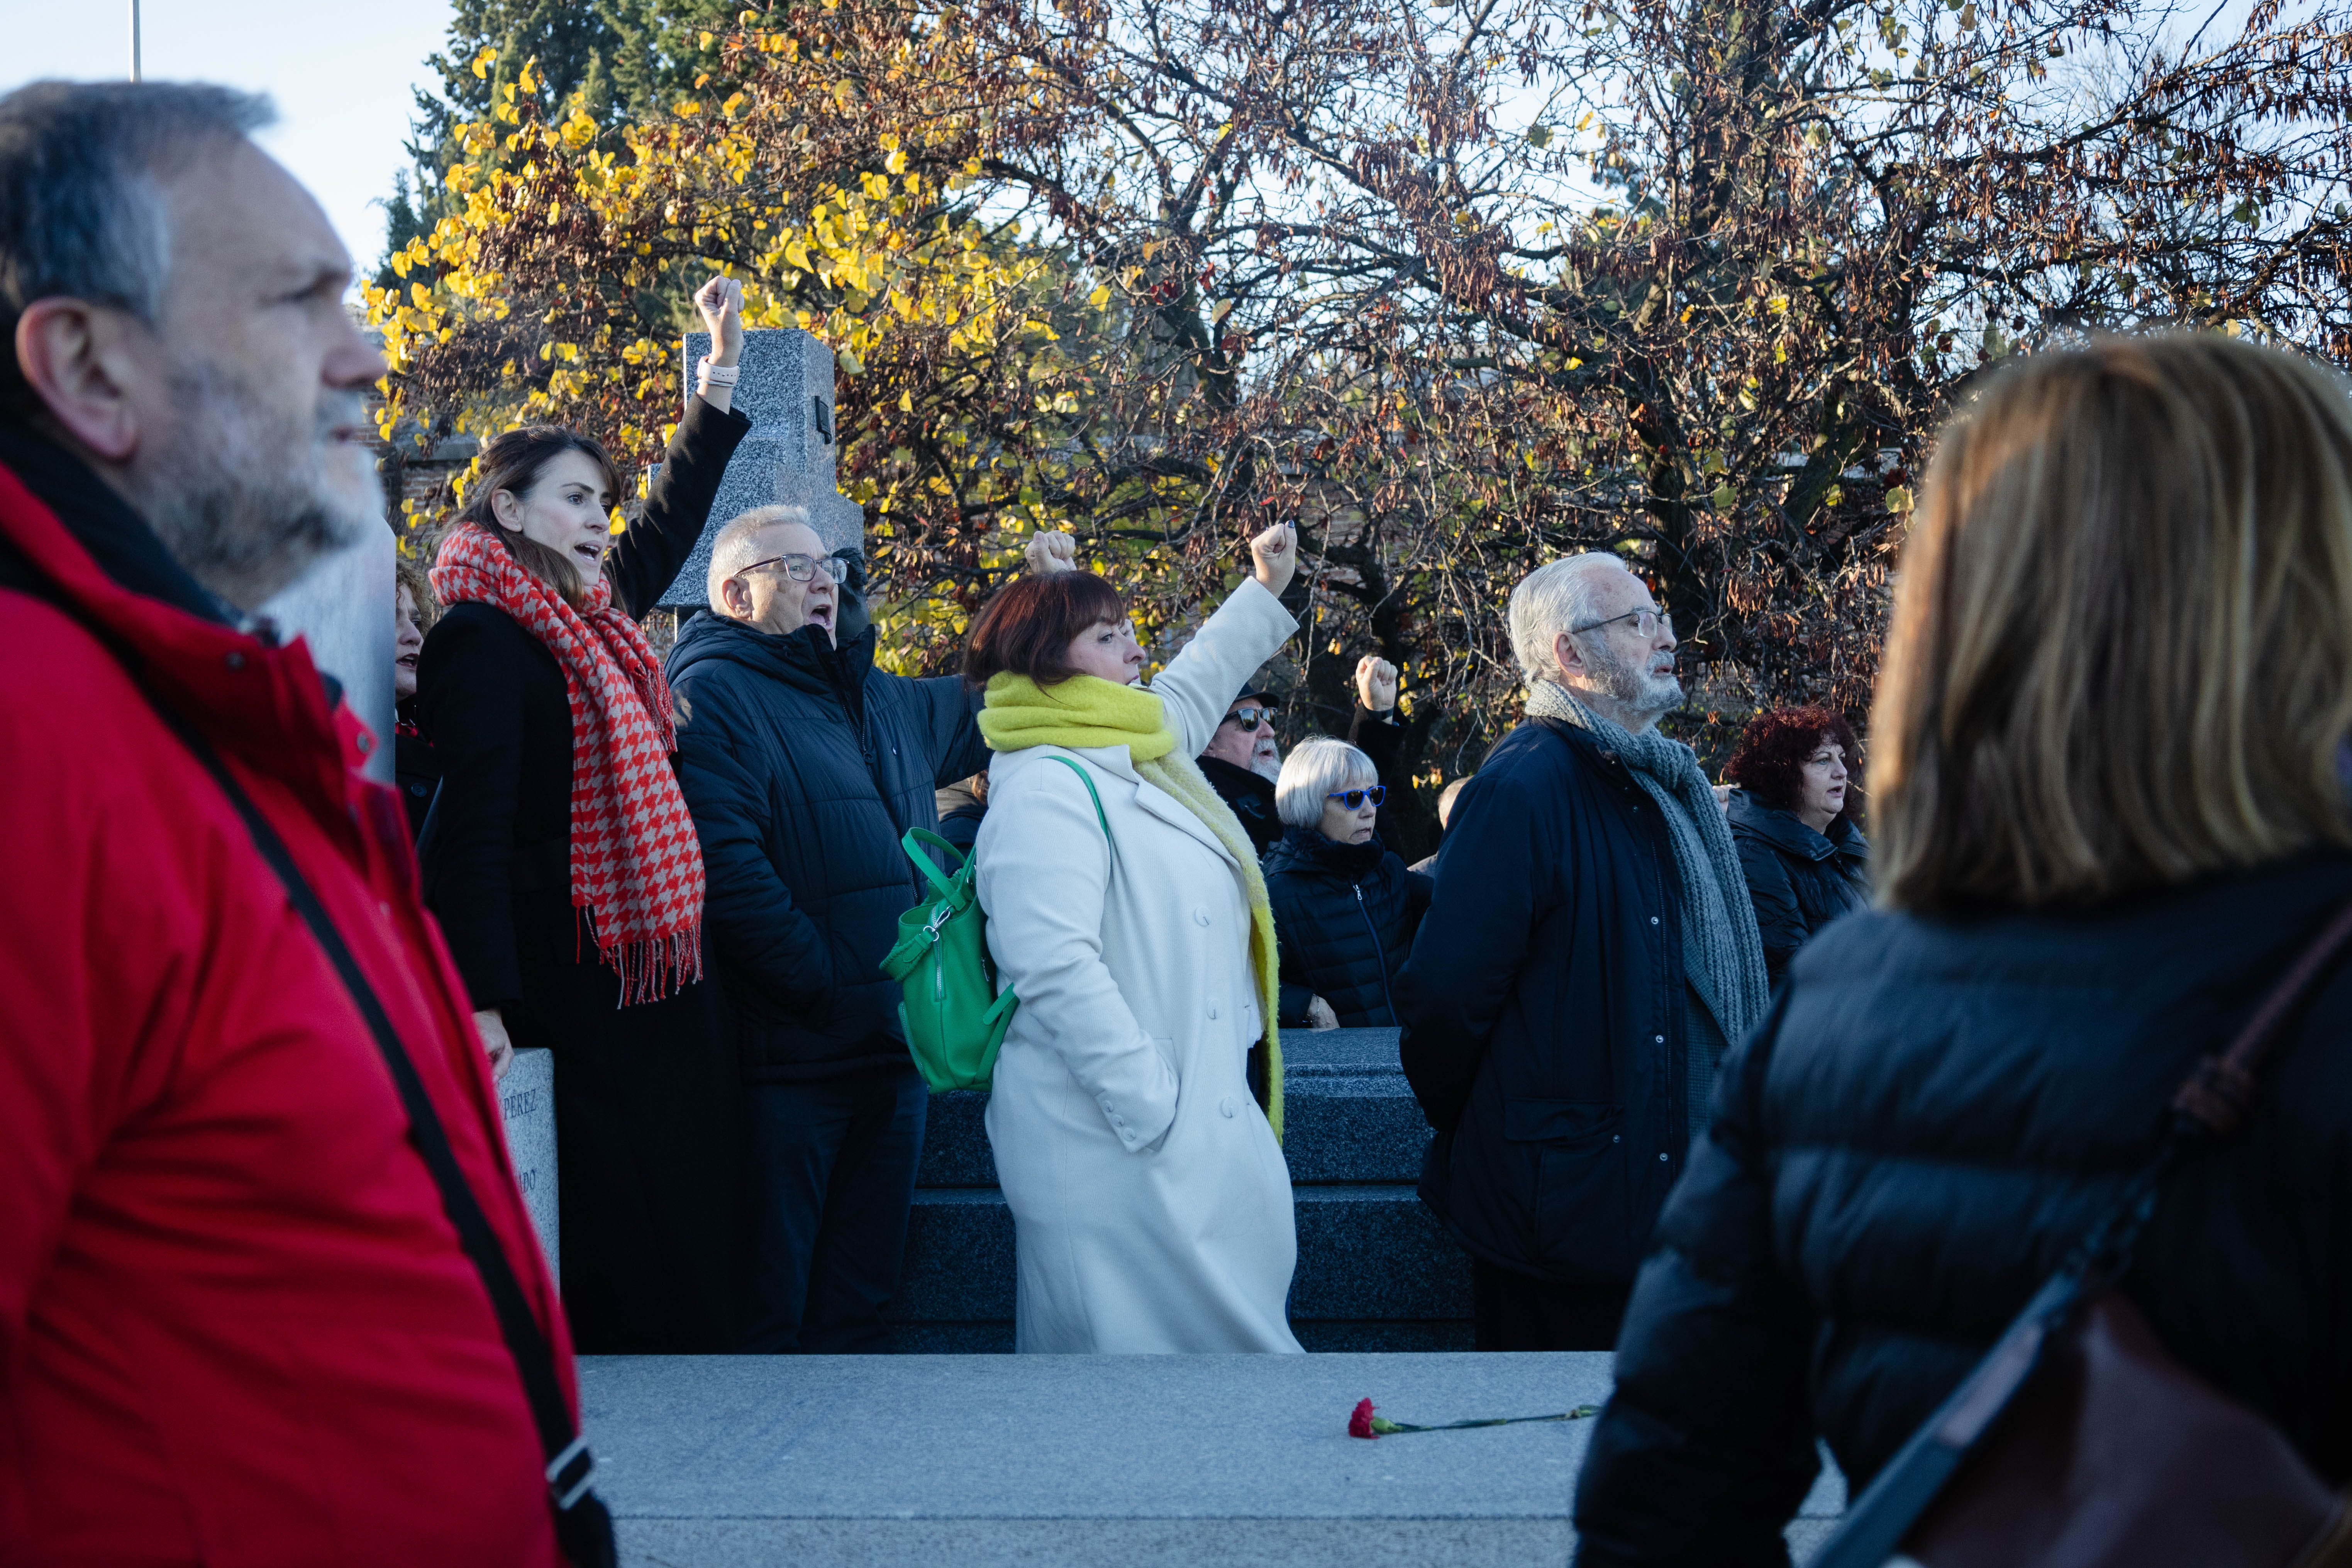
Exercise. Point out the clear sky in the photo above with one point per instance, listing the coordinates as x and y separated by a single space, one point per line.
339 70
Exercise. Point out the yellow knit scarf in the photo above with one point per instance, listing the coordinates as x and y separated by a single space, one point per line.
1085 711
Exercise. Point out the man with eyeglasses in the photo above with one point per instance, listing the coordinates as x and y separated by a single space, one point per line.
803 765
1587 952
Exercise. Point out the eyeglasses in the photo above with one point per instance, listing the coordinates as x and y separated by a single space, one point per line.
1647 624
801 568
1353 799
1249 719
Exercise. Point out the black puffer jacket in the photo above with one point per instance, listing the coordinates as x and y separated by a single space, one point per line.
1251 797
1935 1113
1344 915
803 765
1798 880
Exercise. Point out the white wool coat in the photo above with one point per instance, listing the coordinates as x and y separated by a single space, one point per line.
1149 1199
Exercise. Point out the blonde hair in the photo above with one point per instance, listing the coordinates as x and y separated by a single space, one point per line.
408 572
2121 655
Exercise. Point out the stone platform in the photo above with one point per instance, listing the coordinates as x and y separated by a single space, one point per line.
1143 1461
1376 1271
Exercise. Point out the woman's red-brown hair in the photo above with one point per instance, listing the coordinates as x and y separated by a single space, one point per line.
1028 627
1771 762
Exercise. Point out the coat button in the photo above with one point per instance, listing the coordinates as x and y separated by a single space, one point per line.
1653 919
366 744
1660 1038
1199 917
1662 1156
1230 1106
1213 1009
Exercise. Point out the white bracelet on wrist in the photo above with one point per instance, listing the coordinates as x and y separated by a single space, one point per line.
718 375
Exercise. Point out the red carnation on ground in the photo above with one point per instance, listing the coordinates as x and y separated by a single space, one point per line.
1362 1423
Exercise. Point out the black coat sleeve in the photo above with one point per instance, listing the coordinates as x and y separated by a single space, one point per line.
1778 918
470 696
756 925
951 713
645 559
1705 1449
1494 884
765 937
1380 739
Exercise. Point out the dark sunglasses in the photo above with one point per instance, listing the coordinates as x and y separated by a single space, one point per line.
1353 799
1249 719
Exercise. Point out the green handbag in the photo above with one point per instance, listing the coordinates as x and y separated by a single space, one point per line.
952 1014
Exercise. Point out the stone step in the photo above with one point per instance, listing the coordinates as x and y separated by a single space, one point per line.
1373 1265
1144 1461
1349 1118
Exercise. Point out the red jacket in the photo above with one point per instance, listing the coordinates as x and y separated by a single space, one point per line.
235 1327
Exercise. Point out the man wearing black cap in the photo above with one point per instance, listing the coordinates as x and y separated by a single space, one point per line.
1242 759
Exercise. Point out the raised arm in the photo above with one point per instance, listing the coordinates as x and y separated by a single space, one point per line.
1201 682
645 559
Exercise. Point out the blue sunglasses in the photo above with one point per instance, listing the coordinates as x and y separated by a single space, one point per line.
1353 799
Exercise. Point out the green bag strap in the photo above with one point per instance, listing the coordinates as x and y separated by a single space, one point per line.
916 837
1087 780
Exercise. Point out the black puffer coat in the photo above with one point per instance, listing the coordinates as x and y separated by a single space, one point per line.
1935 1113
1251 797
1344 915
803 765
1798 880
1543 1011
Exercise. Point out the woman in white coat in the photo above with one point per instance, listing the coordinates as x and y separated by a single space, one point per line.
1150 1198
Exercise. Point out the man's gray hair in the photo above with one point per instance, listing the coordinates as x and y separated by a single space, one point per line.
1554 597
737 545
81 208
1312 772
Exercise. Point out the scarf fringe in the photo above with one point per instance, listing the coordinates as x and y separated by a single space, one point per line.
651 968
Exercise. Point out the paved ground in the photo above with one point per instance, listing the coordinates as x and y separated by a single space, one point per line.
1135 1460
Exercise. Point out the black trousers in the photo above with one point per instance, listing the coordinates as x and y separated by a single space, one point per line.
833 1175
1514 1312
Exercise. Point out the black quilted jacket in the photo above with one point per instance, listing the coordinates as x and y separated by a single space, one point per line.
1935 1112
803 765
1344 915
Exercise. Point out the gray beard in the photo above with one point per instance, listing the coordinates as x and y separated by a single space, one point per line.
1266 768
1635 691
242 501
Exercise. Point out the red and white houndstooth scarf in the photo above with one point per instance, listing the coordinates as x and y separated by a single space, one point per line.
636 866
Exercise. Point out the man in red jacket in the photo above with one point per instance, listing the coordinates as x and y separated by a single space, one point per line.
237 1326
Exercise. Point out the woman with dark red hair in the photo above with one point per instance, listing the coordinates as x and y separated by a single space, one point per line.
1792 819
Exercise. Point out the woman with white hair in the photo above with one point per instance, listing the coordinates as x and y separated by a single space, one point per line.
1345 907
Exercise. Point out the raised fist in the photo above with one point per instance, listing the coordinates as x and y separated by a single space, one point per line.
720 300
1275 552
1051 552
1376 681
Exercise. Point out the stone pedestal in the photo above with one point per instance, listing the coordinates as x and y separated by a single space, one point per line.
788 457
1143 1461
342 608
527 1099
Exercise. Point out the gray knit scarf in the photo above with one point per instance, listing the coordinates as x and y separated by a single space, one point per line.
1722 952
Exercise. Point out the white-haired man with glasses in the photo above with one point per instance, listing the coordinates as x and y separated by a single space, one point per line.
1588 952
803 764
